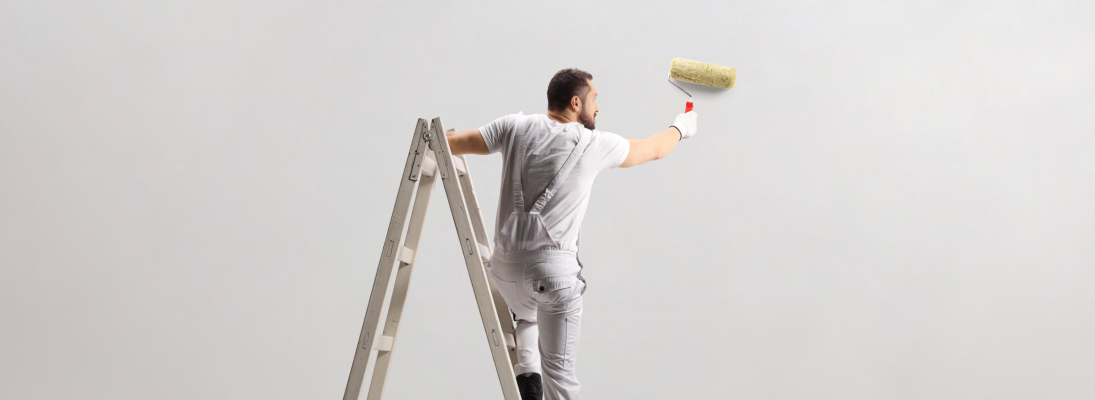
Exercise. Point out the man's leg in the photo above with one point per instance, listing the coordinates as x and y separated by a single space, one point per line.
527 368
560 323
528 353
505 276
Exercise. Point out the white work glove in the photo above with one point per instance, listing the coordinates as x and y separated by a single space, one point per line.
686 124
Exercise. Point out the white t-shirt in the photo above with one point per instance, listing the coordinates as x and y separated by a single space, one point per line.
549 143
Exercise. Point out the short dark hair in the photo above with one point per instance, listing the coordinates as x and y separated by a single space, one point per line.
565 85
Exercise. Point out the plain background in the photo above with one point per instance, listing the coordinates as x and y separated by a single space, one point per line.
894 202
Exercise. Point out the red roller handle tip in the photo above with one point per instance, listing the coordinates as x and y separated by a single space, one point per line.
688 107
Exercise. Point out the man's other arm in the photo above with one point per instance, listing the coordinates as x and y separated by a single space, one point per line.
467 142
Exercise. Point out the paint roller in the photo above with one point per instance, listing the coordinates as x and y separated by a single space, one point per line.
700 73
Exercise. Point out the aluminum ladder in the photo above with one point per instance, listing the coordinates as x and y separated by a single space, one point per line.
377 341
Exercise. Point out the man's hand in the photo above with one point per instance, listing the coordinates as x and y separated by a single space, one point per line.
686 124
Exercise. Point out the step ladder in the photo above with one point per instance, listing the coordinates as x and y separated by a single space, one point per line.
377 341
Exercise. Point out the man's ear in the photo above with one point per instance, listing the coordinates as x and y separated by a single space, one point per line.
576 103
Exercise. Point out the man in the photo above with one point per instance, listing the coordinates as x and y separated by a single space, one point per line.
549 165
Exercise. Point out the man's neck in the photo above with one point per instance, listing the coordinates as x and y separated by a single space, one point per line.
562 117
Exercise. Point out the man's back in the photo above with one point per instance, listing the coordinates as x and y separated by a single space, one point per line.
546 145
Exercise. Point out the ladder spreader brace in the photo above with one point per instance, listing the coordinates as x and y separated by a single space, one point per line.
398 256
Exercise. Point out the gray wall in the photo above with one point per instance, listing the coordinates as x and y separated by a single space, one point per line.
895 202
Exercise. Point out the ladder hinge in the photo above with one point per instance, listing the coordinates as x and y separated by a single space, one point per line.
419 154
416 164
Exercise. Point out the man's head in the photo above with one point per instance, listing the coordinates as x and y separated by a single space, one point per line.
571 92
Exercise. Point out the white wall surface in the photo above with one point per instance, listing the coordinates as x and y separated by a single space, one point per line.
895 202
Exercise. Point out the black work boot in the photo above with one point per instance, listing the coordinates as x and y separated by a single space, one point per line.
530 387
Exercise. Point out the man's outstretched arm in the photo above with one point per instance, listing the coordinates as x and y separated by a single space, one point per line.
653 148
660 144
467 142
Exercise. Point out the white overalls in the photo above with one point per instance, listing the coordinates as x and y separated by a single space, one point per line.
541 283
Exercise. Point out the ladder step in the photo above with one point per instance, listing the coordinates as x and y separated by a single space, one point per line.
459 164
406 256
511 343
429 166
384 343
484 252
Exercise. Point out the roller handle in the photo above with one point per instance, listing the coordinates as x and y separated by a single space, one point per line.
688 107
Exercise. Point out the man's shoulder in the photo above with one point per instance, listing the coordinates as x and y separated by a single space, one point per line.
531 117
522 115
599 135
521 118
533 122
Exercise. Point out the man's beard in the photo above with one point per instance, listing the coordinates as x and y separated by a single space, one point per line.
586 120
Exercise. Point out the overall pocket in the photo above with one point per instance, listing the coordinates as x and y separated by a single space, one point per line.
553 289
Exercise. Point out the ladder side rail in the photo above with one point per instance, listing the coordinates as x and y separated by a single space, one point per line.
474 262
500 306
473 204
407 257
389 255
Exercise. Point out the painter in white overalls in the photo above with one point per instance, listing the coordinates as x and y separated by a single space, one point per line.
547 176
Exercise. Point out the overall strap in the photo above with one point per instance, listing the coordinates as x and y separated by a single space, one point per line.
561 176
518 164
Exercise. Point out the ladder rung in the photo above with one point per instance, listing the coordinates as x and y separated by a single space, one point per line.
510 342
429 166
384 343
459 165
406 256
484 252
